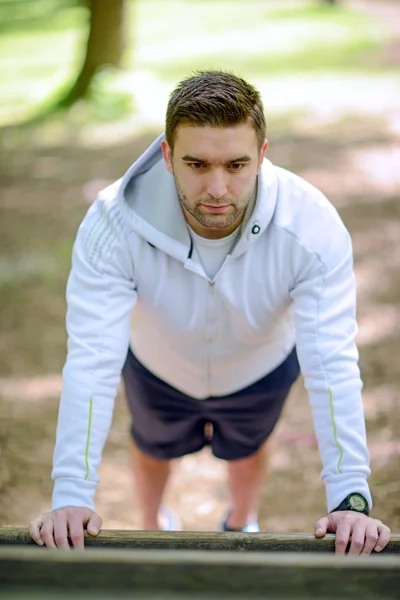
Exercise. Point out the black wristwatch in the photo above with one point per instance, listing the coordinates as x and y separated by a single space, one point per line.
355 502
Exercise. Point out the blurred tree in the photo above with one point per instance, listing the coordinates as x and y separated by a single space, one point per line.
330 1
105 44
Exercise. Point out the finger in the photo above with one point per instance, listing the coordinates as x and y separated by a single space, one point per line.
384 537
60 531
342 536
358 536
34 530
46 533
321 527
76 533
371 537
94 524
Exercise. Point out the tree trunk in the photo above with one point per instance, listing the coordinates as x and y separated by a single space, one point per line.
105 45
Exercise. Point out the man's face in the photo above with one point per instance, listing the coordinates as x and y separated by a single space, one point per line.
215 171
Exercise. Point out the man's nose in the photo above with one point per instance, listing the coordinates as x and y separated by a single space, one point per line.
217 185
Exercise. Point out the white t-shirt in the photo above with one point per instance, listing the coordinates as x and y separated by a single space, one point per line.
212 253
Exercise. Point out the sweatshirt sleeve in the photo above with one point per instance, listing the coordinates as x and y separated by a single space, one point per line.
324 307
100 296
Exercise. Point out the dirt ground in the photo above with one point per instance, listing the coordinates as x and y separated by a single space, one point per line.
45 187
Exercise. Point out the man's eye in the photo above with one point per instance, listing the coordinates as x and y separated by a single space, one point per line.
196 166
236 166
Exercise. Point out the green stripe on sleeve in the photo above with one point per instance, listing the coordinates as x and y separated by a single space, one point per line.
334 430
88 438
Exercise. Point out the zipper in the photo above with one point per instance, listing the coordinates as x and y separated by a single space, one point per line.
210 331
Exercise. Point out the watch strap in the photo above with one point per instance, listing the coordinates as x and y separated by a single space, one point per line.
355 502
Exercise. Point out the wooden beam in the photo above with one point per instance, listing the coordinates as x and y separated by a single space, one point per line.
275 575
199 540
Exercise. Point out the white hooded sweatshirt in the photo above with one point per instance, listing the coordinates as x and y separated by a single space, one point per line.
288 280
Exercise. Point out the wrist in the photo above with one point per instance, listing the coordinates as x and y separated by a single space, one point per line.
354 502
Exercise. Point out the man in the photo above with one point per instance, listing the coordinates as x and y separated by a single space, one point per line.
231 268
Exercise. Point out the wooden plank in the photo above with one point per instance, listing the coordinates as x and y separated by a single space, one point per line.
43 594
200 540
279 575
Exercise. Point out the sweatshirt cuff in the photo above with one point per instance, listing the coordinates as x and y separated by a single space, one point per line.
70 491
342 486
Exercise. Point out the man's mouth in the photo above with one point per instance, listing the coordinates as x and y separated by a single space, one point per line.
216 208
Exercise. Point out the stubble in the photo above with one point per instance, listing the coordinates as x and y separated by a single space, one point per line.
208 219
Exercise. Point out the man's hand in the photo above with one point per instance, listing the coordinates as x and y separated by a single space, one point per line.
366 533
52 529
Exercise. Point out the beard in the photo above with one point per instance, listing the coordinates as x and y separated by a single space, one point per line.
196 210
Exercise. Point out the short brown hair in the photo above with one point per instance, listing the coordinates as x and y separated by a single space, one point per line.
216 99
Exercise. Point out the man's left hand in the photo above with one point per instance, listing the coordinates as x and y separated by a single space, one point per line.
366 533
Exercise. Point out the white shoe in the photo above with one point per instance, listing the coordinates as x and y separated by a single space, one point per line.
169 520
249 528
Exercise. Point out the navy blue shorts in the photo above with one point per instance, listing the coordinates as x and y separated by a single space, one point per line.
168 424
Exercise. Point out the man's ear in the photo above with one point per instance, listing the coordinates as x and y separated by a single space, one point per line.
262 153
167 154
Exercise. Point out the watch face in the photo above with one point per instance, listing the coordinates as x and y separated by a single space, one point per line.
357 502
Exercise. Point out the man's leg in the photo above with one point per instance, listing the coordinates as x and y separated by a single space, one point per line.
167 424
245 420
246 477
151 476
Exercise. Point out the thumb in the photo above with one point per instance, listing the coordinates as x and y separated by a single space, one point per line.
94 524
321 526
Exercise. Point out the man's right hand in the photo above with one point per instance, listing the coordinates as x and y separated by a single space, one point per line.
53 529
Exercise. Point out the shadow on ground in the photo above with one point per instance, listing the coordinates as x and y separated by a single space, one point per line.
45 191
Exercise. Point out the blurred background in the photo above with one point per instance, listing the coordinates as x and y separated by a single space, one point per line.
83 90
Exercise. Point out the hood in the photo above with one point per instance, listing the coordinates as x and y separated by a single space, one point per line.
148 200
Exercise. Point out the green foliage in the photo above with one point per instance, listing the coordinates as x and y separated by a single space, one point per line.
38 15
42 44
253 38
110 100
39 51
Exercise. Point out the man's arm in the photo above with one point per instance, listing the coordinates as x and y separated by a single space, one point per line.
324 306
100 296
